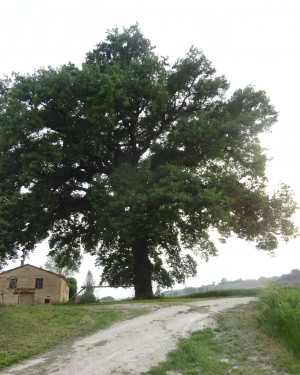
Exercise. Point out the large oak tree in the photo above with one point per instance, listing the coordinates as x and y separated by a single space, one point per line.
134 160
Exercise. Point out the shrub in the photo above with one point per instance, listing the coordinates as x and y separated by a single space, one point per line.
108 298
87 297
279 314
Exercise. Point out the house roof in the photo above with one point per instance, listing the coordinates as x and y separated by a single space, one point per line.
39 268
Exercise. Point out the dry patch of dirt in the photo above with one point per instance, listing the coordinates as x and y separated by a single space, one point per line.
128 347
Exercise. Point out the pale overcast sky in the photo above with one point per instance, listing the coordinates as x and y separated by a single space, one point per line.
249 41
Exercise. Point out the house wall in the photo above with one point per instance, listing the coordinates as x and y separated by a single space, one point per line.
54 288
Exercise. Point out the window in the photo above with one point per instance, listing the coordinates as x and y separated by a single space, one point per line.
47 300
39 283
13 283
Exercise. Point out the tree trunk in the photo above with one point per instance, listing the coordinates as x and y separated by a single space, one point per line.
142 270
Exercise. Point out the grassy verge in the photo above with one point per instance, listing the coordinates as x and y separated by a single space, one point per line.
32 330
238 346
279 313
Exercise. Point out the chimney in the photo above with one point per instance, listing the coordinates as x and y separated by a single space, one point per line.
22 262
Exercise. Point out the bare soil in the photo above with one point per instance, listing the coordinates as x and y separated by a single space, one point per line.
131 346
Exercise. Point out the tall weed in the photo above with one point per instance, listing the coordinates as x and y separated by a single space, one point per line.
279 314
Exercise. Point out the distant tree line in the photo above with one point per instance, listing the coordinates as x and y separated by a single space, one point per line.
291 279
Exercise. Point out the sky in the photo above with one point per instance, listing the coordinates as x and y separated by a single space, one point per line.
253 42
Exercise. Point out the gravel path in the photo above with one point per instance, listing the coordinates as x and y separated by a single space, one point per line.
128 347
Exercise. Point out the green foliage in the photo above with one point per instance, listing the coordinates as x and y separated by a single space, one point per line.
54 264
134 160
88 296
108 298
73 286
279 314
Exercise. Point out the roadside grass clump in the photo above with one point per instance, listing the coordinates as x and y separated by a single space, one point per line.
279 314
236 345
26 331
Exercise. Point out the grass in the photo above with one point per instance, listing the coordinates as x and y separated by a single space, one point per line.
238 346
279 313
32 330
196 355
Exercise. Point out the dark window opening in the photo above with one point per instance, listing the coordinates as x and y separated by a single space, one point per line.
13 283
47 300
39 283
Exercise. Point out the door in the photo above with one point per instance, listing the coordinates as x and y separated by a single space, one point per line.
26 299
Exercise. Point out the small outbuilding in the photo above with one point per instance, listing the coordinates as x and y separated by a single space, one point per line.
27 285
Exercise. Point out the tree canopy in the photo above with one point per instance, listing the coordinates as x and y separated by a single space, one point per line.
53 264
135 160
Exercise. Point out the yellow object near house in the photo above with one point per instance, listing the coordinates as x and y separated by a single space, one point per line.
27 284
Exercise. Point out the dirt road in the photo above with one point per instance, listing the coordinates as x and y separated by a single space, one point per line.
128 347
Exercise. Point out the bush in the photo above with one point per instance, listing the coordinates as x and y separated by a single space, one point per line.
279 314
108 298
87 297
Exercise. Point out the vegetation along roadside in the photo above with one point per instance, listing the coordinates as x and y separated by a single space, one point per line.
247 340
